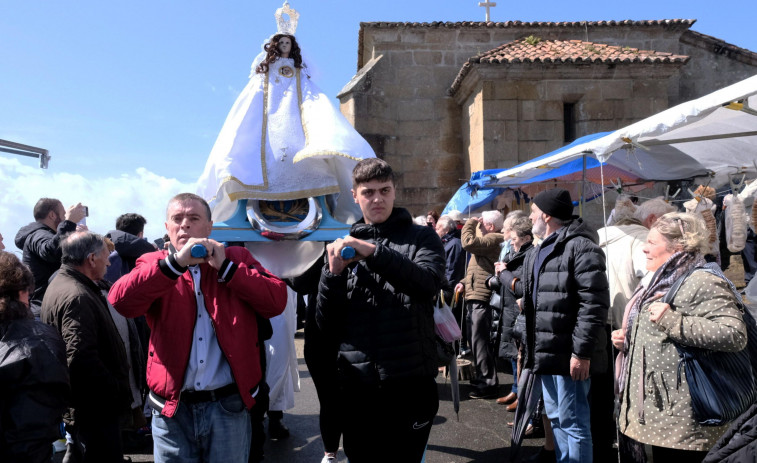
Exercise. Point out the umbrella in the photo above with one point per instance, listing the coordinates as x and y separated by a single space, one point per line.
529 392
454 383
453 373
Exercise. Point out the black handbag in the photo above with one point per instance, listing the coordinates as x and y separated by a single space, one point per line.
721 384
519 328
495 301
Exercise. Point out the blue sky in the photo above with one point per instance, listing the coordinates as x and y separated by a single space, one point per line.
109 87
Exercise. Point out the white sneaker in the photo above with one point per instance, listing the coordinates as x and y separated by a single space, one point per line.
329 458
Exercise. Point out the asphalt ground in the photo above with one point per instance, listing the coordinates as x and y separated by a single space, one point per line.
479 433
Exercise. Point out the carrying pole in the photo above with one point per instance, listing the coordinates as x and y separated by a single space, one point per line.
583 188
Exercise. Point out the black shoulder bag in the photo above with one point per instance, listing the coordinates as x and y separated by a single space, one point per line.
721 384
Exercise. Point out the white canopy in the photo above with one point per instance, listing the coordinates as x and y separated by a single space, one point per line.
714 136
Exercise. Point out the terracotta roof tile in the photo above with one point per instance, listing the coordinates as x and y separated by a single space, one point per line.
568 51
505 24
534 50
664 23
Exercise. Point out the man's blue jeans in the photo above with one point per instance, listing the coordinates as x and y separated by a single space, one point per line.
566 403
203 432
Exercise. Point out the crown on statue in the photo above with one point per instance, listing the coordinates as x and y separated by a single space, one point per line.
286 25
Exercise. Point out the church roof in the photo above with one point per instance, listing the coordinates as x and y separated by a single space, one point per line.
539 24
534 50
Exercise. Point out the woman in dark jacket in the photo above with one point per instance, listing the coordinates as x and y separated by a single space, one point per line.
508 274
34 383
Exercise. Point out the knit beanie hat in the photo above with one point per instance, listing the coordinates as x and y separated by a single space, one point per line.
555 203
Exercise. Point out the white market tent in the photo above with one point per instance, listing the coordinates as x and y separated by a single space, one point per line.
714 136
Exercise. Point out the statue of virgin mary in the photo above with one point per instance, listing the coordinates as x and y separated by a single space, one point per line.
283 139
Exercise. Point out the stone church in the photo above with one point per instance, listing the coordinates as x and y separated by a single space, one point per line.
441 100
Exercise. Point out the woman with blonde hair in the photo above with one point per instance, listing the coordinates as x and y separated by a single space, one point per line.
656 406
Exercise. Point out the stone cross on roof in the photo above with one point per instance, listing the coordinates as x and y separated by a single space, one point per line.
487 4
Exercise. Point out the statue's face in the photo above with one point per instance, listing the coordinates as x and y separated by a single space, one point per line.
285 46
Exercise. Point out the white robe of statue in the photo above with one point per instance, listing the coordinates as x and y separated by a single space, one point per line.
283 139
282 375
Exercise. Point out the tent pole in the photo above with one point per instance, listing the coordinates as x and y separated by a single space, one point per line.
583 186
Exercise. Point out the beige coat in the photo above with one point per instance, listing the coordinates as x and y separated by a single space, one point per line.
653 410
626 265
484 252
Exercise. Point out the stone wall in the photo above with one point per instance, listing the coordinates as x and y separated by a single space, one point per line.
399 102
523 108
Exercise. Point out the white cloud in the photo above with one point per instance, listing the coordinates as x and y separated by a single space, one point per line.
140 191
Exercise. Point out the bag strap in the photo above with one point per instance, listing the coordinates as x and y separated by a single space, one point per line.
440 300
670 295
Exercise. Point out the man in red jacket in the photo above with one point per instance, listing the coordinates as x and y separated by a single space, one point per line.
203 366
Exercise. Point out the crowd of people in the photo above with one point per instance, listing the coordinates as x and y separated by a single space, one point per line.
581 308
95 330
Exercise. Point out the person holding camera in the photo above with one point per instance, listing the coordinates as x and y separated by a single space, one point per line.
481 239
40 242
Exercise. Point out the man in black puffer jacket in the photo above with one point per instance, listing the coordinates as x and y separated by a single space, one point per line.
565 300
739 443
378 305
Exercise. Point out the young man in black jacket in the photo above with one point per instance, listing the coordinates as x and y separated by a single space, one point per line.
378 305
128 238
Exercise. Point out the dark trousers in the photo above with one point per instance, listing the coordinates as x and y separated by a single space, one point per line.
97 436
320 357
664 454
479 317
388 422
602 406
322 367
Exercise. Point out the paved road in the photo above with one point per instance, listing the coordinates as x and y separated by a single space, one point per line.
480 435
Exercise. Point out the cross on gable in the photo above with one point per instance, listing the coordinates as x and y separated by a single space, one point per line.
487 4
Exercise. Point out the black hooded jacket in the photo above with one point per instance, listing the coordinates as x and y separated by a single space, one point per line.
572 300
42 254
129 247
381 308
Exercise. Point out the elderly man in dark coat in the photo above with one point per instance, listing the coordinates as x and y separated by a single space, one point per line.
96 355
565 300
